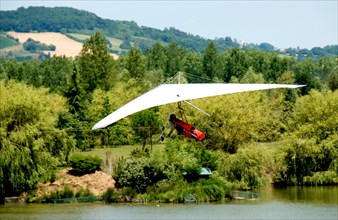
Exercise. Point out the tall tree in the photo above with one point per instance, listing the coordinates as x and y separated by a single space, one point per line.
156 58
333 79
235 64
175 55
77 117
210 60
135 64
77 99
95 63
305 72
146 124
55 72
30 144
312 143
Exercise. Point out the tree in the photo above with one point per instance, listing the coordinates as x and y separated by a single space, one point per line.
266 47
105 102
55 73
235 64
305 72
312 141
30 144
76 119
156 58
175 55
237 119
134 64
251 77
95 64
193 66
146 124
333 79
210 60
276 67
77 99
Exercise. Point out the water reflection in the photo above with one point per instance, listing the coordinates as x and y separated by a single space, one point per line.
310 194
280 203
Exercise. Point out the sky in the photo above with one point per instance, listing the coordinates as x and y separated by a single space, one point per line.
282 23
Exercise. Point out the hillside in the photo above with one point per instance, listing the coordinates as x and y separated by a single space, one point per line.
63 44
71 22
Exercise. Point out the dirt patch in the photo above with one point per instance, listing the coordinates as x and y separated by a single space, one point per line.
97 182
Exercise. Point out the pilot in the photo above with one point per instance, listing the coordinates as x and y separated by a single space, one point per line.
185 129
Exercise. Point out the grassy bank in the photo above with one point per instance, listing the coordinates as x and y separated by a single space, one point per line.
119 151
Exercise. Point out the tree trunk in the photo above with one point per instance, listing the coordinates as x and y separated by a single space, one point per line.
2 199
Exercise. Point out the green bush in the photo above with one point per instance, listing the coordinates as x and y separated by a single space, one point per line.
215 188
83 164
137 173
204 190
110 195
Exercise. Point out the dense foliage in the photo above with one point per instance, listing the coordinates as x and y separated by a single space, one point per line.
31 146
312 143
70 20
160 174
284 136
83 164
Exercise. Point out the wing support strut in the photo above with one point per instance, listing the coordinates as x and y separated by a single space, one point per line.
197 108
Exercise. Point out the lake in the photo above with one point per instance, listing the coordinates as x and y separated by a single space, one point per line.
274 203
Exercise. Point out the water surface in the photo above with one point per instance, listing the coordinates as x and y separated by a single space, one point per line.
288 203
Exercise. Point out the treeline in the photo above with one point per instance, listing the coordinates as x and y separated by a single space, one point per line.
69 20
48 108
35 46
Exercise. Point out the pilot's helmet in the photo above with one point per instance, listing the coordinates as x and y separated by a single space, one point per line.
172 117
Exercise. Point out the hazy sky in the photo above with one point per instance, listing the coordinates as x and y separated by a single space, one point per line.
282 23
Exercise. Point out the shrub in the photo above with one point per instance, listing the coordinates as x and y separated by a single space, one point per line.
83 164
215 188
137 173
110 195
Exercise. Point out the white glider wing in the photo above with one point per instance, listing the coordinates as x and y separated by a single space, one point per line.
170 93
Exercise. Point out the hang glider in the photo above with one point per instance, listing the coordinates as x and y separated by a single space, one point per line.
171 93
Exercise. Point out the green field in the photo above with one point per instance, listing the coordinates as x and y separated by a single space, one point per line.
15 51
6 42
117 152
80 37
115 43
